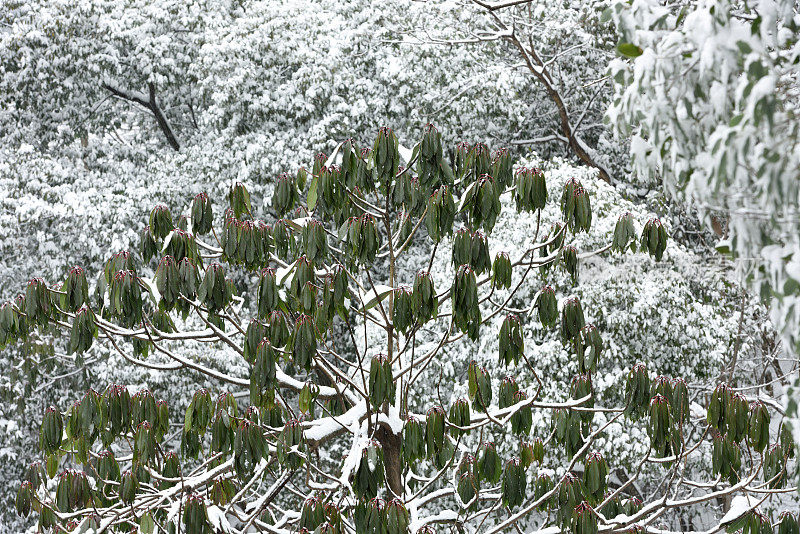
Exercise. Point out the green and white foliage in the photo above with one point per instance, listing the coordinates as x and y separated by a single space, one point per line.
710 89
679 317
307 387
252 90
708 92
249 90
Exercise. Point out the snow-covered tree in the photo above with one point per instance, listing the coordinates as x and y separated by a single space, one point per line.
709 94
340 432
251 89
563 49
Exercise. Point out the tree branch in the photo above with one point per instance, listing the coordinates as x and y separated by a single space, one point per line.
573 140
540 71
149 102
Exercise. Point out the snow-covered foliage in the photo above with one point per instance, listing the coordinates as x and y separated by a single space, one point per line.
678 317
710 98
290 73
249 94
681 317
255 88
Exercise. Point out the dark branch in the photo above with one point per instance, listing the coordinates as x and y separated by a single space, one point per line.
150 103
502 5
540 72
539 69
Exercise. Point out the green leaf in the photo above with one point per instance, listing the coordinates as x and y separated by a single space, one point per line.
735 120
629 50
467 196
146 524
744 47
723 246
312 194
373 296
52 465
187 424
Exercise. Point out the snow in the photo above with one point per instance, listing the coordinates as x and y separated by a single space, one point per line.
216 516
321 428
740 505
445 516
272 87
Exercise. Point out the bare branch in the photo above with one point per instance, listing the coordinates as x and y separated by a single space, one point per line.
151 104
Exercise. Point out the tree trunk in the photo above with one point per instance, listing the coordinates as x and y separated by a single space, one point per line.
391 458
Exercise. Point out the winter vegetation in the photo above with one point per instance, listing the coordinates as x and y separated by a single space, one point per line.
399 268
